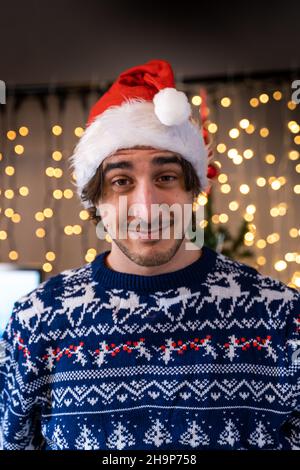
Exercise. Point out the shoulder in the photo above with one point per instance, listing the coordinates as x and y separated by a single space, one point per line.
48 293
257 284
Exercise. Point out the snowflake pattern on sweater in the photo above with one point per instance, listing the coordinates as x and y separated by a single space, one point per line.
201 358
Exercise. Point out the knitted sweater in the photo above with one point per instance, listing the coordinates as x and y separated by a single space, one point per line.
204 357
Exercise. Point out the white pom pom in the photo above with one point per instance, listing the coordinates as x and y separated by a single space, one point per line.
171 106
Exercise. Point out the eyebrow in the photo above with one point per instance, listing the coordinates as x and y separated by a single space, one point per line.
157 161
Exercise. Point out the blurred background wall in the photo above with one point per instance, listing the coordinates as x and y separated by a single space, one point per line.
235 62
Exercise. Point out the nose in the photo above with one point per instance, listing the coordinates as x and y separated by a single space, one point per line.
145 195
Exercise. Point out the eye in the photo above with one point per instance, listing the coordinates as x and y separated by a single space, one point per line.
118 180
168 176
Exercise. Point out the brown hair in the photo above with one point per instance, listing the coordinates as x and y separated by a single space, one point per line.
93 190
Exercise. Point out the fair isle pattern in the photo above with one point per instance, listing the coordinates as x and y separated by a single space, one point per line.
202 358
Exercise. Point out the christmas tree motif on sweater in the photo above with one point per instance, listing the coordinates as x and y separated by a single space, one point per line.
218 293
260 437
194 436
58 438
86 440
120 438
157 434
230 435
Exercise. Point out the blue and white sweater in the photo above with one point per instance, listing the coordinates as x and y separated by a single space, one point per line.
201 358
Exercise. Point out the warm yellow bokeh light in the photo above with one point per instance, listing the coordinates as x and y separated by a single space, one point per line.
23 191
293 127
254 102
3 235
16 218
11 135
56 155
50 256
264 132
232 153
47 267
40 232
248 153
250 129
293 232
78 131
234 133
293 155
280 265
261 260
297 189
277 95
212 127
23 131
19 149
244 123
9 193
84 215
221 148
233 205
39 216
244 189
196 100
48 212
225 188
270 158
68 193
77 229
225 102
223 218
9 170
57 194
261 243
222 178
263 98
8 212
56 130
13 255
68 229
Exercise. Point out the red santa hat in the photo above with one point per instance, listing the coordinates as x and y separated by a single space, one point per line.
142 107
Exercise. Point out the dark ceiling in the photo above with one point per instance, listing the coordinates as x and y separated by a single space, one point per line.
62 42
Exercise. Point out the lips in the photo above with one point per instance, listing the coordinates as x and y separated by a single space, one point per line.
151 231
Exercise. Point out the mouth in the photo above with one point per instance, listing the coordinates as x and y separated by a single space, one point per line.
140 234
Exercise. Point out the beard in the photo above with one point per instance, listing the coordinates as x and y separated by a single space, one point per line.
153 258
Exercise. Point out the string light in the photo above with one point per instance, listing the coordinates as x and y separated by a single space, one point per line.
243 127
225 102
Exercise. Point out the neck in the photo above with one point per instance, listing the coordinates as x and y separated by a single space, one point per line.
118 261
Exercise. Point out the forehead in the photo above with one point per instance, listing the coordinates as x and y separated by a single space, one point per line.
134 153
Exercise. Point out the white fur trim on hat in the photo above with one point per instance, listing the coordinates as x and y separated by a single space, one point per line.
131 124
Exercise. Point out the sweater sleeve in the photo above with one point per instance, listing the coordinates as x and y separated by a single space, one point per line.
19 407
292 426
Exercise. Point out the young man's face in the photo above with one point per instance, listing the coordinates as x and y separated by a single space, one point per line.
144 177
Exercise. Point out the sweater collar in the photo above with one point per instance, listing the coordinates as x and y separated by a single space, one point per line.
193 274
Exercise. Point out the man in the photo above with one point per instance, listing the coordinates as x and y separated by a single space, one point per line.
159 343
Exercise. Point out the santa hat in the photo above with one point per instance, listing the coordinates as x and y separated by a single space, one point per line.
142 107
